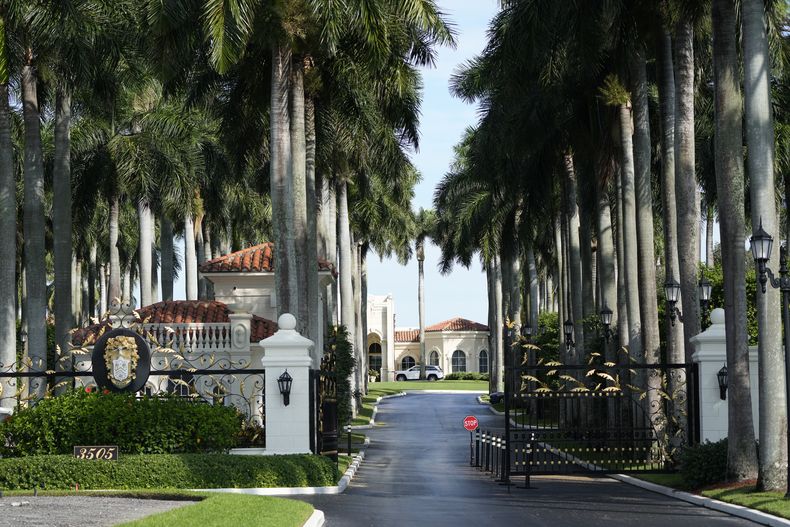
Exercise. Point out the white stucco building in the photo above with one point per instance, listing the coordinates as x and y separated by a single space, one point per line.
456 345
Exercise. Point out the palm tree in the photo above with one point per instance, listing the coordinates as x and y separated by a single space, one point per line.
426 225
742 455
762 189
8 231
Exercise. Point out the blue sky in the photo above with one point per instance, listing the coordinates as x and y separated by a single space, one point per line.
444 119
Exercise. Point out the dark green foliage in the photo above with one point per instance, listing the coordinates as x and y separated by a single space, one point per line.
160 471
715 276
705 464
149 425
548 340
338 342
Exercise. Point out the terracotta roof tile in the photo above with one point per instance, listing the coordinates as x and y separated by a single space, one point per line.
255 259
186 312
457 324
407 335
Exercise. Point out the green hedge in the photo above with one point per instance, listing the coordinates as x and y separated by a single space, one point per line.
704 464
166 471
466 376
150 425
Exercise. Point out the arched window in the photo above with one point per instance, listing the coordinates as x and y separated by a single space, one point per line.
459 361
407 362
482 362
433 360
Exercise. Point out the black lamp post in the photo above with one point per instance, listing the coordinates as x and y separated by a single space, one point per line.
762 243
284 382
704 289
672 294
721 377
567 328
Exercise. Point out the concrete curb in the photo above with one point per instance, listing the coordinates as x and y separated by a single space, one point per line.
303 491
372 422
709 503
493 410
315 520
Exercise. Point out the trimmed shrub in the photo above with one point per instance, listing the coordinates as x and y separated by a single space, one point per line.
466 376
338 342
149 425
166 471
704 464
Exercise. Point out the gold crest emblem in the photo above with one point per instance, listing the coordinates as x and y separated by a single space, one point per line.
120 356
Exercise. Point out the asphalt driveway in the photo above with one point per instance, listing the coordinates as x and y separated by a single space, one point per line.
417 473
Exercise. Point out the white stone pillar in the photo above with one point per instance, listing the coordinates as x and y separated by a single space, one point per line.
711 354
287 427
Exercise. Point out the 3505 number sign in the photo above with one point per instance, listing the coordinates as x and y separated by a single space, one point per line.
109 453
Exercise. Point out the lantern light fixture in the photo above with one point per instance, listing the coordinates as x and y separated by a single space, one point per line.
284 382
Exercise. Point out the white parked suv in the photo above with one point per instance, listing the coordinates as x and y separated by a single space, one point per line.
432 373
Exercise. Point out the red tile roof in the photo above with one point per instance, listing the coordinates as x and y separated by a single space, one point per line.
407 335
185 312
255 259
454 324
457 324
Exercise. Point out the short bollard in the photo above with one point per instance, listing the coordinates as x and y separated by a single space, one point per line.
348 431
477 448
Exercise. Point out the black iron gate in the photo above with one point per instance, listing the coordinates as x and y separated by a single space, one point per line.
598 417
323 407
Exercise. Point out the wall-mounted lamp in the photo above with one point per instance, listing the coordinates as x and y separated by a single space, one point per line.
567 328
705 289
722 378
284 382
23 336
606 320
672 294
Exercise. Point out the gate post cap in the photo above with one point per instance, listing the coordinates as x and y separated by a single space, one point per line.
717 316
286 322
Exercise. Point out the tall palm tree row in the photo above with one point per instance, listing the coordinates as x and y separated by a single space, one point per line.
564 90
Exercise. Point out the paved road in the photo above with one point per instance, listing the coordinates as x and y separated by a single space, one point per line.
417 473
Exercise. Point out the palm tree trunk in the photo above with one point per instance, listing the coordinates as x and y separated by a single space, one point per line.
420 246
200 256
499 326
587 264
666 96
514 285
77 292
359 346
492 334
688 213
648 302
742 455
280 162
630 251
127 283
606 255
114 287
623 329
346 272
190 258
8 283
363 311
574 260
92 281
154 262
709 224
561 296
298 189
61 226
35 265
102 290
145 218
314 330
534 287
762 188
207 284
167 258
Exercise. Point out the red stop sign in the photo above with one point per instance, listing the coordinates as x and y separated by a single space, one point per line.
470 423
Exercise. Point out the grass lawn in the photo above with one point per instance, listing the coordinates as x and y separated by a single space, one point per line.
212 509
232 509
770 502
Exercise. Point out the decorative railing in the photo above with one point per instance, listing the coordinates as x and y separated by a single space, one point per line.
186 338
